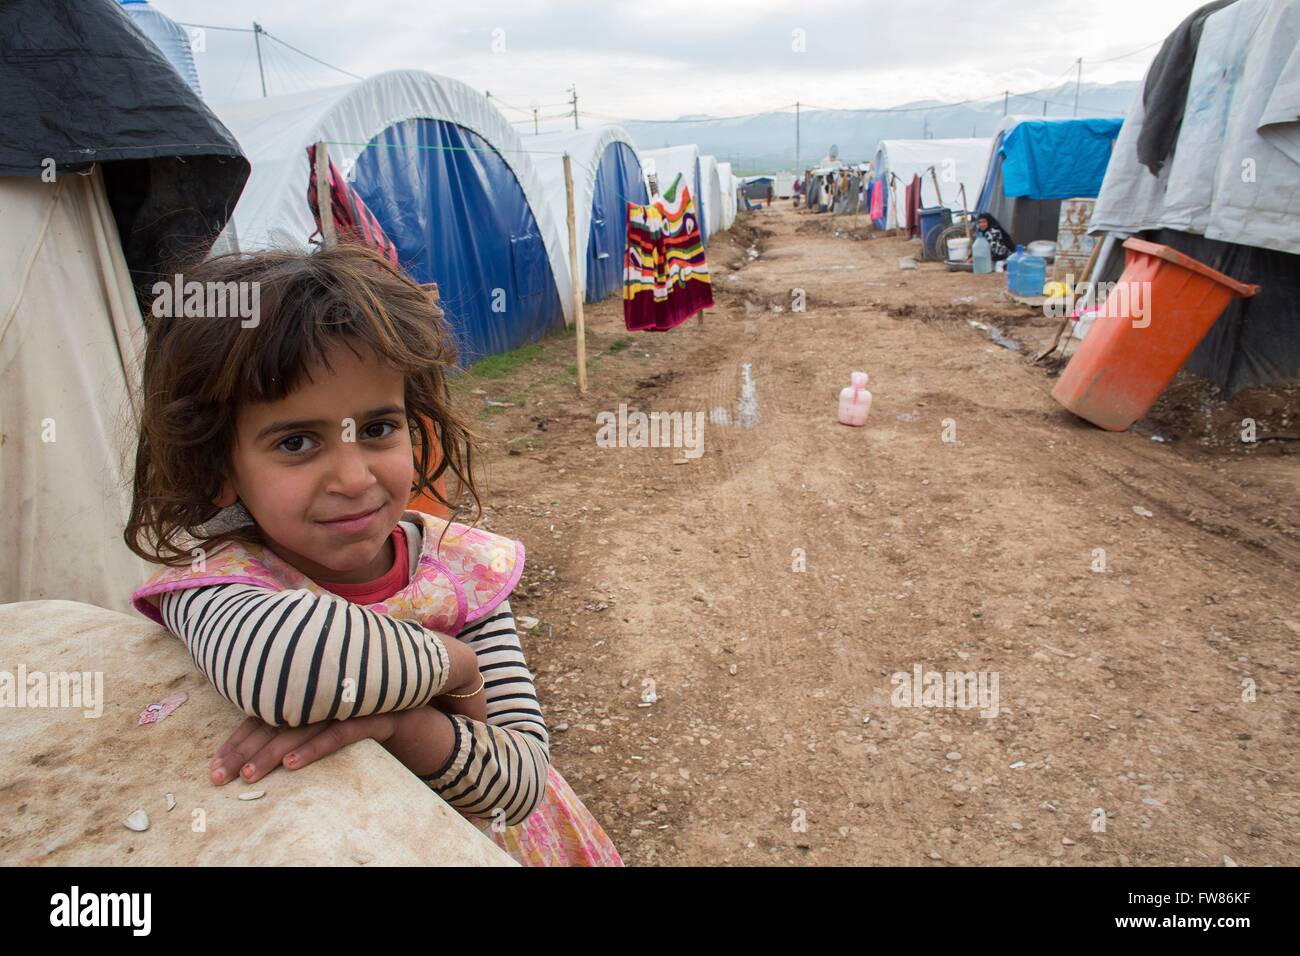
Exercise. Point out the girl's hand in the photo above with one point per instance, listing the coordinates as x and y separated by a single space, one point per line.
257 748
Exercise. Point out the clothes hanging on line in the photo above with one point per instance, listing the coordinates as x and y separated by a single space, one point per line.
912 208
665 275
353 220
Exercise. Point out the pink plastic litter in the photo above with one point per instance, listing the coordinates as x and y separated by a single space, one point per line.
163 709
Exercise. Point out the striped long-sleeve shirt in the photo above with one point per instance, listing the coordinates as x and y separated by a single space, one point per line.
295 657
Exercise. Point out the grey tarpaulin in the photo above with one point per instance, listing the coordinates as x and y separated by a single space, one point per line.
82 84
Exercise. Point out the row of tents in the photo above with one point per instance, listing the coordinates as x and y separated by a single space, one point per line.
1206 160
113 170
433 159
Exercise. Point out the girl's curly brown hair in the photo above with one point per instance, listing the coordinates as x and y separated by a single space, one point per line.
198 371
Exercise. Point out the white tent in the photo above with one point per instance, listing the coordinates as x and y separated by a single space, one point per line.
730 184
275 133
783 184
956 162
70 337
711 198
1235 174
587 148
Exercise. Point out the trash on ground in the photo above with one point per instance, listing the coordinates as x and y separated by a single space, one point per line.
163 709
138 821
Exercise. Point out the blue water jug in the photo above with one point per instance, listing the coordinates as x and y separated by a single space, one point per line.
1026 274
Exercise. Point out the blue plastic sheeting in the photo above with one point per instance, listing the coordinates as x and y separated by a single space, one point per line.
991 177
618 182
458 217
1055 159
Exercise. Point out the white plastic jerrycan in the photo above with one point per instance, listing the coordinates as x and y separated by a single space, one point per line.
855 401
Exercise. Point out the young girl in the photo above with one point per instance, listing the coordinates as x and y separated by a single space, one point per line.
275 463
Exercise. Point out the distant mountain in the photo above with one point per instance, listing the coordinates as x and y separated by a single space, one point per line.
766 142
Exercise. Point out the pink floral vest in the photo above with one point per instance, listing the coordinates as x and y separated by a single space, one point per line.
458 581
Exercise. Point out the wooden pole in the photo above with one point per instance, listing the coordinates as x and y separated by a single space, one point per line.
573 271
938 193
324 201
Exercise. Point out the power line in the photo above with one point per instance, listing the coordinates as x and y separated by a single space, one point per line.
1124 56
312 58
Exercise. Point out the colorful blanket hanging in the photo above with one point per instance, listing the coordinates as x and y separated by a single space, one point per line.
353 221
665 275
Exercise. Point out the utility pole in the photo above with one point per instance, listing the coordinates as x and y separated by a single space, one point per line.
574 90
535 129
257 42
1078 79
1006 96
796 137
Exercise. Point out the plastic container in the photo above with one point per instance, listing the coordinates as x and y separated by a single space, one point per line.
934 219
981 256
958 249
1042 247
855 401
1161 308
1026 274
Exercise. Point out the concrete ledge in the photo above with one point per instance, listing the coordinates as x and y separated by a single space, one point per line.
68 781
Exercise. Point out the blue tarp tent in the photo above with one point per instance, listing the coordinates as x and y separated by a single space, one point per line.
1035 163
446 176
1057 159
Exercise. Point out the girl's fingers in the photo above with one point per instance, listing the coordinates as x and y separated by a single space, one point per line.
249 725
226 767
268 757
334 737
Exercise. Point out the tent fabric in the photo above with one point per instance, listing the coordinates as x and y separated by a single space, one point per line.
168 36
957 162
1057 159
1235 171
83 85
1027 218
729 186
1164 92
673 161
409 114
710 194
70 337
459 219
606 175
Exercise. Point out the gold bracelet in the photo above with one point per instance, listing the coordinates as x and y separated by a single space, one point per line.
482 682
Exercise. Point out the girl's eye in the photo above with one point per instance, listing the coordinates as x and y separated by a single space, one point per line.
296 444
379 429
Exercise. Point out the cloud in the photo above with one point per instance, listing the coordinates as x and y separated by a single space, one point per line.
674 57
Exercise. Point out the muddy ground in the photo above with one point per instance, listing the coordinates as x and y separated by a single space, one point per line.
1136 598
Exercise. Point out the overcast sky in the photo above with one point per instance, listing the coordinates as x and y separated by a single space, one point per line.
679 57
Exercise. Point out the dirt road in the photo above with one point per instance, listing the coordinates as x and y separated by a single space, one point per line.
772 587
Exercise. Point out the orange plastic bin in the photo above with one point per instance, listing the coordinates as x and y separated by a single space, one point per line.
1161 308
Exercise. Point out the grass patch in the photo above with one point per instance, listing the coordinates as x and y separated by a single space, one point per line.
620 344
498 366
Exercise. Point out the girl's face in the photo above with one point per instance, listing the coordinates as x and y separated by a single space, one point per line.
326 472
983 224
